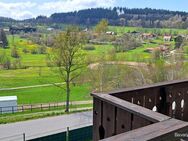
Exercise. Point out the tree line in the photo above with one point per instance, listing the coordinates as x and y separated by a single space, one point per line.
120 16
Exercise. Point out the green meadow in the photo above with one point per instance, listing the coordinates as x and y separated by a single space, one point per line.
36 71
48 94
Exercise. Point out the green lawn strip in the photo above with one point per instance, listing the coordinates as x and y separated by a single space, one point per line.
27 77
9 118
121 30
48 94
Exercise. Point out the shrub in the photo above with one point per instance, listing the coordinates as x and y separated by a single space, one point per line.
186 49
25 50
42 50
16 64
5 61
7 64
34 50
14 52
89 48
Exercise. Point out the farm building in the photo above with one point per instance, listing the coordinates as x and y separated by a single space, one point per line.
86 30
8 104
50 29
110 33
25 29
135 33
160 48
167 38
147 36
6 30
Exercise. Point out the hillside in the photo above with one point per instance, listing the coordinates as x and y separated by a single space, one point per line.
120 17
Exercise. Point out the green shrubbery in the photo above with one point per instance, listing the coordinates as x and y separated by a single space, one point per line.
25 50
42 50
186 49
14 52
89 47
5 62
35 50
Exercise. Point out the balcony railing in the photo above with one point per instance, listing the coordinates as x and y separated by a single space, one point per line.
155 112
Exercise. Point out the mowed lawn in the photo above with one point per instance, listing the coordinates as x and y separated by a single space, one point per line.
48 94
121 30
27 77
37 72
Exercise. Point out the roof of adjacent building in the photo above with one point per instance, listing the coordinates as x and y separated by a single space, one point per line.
8 98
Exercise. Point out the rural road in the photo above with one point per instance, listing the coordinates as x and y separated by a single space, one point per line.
42 127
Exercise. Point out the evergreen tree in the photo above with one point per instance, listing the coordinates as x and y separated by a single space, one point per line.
178 42
3 39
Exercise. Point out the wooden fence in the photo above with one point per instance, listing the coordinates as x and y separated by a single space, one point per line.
40 107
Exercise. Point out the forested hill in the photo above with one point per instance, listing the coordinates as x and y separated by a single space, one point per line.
116 16
5 21
122 16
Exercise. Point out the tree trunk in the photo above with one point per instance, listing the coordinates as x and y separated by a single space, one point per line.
68 95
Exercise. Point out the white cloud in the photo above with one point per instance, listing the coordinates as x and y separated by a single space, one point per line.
29 8
18 10
72 5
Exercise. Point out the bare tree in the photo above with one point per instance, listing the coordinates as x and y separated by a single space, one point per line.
68 57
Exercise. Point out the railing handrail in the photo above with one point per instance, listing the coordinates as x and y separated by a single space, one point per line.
132 108
153 131
160 84
133 117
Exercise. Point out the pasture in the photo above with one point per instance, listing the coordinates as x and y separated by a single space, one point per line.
173 31
48 94
36 71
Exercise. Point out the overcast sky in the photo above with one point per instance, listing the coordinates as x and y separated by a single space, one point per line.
23 9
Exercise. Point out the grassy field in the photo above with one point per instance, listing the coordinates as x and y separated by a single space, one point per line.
48 94
37 72
27 77
121 30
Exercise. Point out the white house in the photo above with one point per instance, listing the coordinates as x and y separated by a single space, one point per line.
110 33
50 29
8 104
167 38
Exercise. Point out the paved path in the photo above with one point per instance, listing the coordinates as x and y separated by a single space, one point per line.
136 64
45 126
27 87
